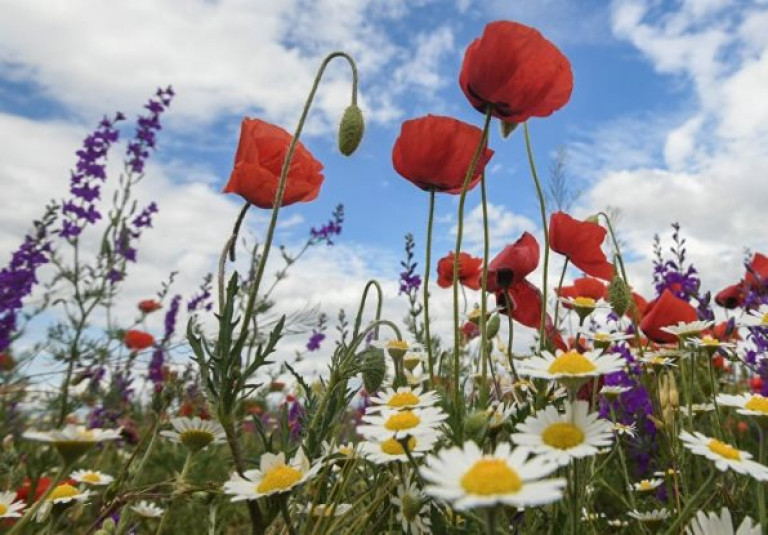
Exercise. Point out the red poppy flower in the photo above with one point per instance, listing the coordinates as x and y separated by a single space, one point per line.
470 271
469 331
640 302
138 340
514 263
756 384
584 287
554 338
7 363
516 72
259 161
435 153
147 306
733 296
523 301
757 272
22 493
665 311
581 242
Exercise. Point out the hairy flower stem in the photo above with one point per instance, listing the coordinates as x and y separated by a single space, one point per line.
427 264
257 520
545 229
379 301
32 511
559 286
458 405
254 290
761 484
483 285
180 483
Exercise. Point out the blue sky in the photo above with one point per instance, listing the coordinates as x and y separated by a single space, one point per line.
667 120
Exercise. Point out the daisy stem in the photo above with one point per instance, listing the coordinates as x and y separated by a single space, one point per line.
458 404
427 264
623 461
490 514
179 482
280 193
559 285
32 511
286 515
761 484
692 503
713 386
483 286
510 339
544 228
229 248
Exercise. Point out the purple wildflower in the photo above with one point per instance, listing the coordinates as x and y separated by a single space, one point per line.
155 372
332 228
203 298
410 282
314 341
148 126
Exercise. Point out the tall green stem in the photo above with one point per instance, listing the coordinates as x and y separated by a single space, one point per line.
427 264
459 234
545 229
484 285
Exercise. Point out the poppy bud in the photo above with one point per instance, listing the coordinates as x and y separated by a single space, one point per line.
492 327
351 130
374 369
475 425
619 295
507 128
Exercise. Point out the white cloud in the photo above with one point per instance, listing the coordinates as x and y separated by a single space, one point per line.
505 228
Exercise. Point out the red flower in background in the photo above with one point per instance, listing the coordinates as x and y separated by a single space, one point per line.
470 271
506 278
435 153
22 493
665 311
137 340
581 242
516 72
147 306
757 272
584 287
640 303
732 296
259 161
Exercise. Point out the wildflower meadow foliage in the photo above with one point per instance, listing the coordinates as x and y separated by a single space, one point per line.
627 413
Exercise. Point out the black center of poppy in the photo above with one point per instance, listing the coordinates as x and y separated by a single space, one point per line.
504 277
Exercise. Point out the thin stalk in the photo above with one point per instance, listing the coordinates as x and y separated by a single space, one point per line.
459 234
427 264
484 285
559 285
761 484
545 229
379 300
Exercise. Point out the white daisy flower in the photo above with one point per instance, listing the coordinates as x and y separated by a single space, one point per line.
74 440
402 398
583 306
499 414
62 495
750 404
756 318
617 523
416 377
195 433
466 478
560 437
625 429
724 455
320 510
413 358
348 450
712 524
656 515
570 365
646 485
611 391
396 348
8 507
604 338
147 509
669 472
710 343
389 449
274 476
586 516
401 423
697 408
91 477
686 330
654 359
412 509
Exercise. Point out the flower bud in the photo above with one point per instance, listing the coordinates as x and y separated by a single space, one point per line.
475 425
351 130
492 327
374 369
619 295
674 394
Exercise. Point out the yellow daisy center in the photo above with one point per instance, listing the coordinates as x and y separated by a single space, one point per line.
85 435
602 337
562 436
724 450
584 302
344 450
402 420
91 477
491 476
645 485
393 447
397 344
279 478
196 439
709 341
757 404
3 509
572 363
403 399
765 318
63 491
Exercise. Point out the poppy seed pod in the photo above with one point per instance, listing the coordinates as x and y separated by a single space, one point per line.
619 295
351 130
374 368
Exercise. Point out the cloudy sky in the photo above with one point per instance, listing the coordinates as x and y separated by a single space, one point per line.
668 122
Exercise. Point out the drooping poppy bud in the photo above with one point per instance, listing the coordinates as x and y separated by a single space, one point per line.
351 130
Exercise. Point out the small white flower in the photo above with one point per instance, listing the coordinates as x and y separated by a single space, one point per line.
401 423
274 476
63 494
8 507
195 433
467 478
412 509
613 390
147 509
74 440
570 364
625 429
646 485
604 338
500 414
697 408
92 477
389 449
402 398
724 455
586 516
560 437
320 510
656 515
712 524
756 318
687 330
710 343
749 404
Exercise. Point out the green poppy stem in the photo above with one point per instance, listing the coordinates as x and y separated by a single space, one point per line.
427 264
484 285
